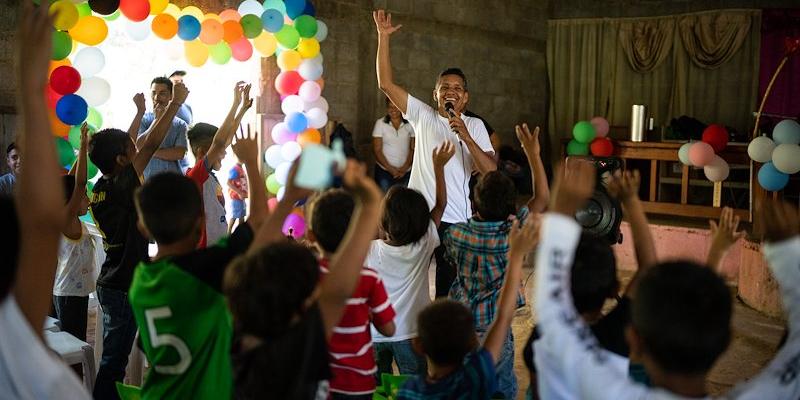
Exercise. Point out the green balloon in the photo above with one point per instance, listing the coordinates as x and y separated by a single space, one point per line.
220 53
272 184
83 9
75 135
66 154
584 132
113 16
306 26
91 171
576 148
93 118
288 37
251 25
62 45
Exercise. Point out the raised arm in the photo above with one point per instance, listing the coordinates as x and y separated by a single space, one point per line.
441 155
39 196
226 131
383 64
152 140
625 187
532 148
80 173
246 148
271 229
346 264
723 236
133 130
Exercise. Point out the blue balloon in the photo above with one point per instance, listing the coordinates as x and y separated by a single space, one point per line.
188 28
272 20
72 109
310 10
786 131
771 179
294 8
296 122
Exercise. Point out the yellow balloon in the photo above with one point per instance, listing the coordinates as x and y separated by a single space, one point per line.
196 52
213 16
90 30
265 43
67 15
173 10
289 60
158 6
308 48
193 11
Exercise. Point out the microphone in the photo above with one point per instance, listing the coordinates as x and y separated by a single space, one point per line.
449 108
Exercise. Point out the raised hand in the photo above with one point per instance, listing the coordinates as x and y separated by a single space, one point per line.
84 135
443 154
179 93
624 185
33 50
356 180
247 101
383 21
781 221
524 236
237 93
246 147
529 141
724 234
138 100
573 186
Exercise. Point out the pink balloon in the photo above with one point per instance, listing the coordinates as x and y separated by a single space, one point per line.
309 91
241 49
701 154
600 125
281 136
294 226
272 203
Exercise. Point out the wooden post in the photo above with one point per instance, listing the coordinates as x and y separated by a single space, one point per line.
653 179
717 201
685 184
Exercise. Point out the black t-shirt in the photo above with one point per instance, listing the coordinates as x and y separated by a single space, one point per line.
209 264
113 209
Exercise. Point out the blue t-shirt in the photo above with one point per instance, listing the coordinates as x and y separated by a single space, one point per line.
176 137
476 379
7 183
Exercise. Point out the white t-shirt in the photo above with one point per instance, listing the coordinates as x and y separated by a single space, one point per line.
404 271
27 369
395 141
431 130
77 262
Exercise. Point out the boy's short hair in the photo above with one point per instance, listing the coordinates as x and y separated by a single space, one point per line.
169 205
200 136
10 147
267 289
405 216
682 314
594 274
162 80
330 217
446 331
453 71
9 246
105 146
495 197
69 186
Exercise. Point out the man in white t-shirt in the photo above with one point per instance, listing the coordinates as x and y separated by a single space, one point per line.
432 127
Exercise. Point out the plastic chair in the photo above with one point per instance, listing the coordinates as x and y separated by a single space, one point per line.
98 327
51 324
74 351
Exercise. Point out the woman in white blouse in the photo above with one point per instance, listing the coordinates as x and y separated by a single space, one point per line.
393 144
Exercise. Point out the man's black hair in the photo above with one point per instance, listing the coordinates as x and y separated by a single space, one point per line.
201 135
495 197
162 80
105 146
169 204
455 71
682 314
446 331
405 216
594 274
330 217
10 147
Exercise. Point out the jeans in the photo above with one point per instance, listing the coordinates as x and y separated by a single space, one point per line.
72 312
408 362
385 180
445 272
506 379
119 331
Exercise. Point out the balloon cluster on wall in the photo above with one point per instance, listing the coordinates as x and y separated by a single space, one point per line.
591 136
780 155
705 153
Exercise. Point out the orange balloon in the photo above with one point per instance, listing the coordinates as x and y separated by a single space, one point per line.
56 64
233 31
230 15
211 31
321 83
56 126
309 136
165 26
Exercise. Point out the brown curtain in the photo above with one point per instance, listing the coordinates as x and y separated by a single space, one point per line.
646 43
711 39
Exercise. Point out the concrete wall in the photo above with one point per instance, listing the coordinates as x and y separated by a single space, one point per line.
646 8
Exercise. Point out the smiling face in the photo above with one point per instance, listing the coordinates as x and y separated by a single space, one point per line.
451 88
160 94
13 160
393 112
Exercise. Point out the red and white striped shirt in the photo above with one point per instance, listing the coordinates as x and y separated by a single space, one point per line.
350 347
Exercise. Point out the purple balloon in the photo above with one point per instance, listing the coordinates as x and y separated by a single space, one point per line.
294 226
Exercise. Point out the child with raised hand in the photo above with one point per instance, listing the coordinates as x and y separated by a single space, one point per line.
723 235
76 255
184 323
283 312
458 367
402 259
28 370
112 207
208 145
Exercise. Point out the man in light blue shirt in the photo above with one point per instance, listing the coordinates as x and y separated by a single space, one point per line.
173 148
8 180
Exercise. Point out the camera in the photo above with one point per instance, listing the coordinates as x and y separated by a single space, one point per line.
602 215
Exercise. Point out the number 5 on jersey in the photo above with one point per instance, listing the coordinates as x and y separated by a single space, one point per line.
167 339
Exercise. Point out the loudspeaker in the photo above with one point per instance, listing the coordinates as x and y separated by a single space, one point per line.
602 215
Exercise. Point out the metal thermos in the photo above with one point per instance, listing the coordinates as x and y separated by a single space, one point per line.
638 122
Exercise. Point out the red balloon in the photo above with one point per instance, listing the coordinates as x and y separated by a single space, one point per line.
242 49
65 80
135 10
602 147
52 97
288 82
717 136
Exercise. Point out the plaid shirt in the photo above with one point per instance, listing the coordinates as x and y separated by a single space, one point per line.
479 250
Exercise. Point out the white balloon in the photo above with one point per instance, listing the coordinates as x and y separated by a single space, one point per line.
309 91
273 156
173 48
251 7
786 158
138 31
760 149
281 192
683 153
290 151
319 59
89 61
322 31
717 170
282 172
786 131
320 103
316 118
310 70
95 91
292 104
